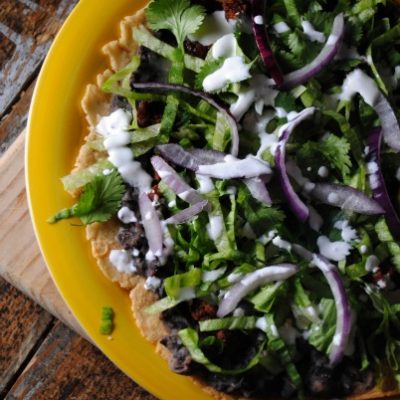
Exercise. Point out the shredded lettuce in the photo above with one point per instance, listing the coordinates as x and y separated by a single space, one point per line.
386 237
266 297
144 38
321 332
190 339
230 323
80 178
175 283
278 346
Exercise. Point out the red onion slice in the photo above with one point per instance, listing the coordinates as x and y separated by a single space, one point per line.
346 198
327 54
207 156
261 37
187 214
179 156
295 203
256 186
234 168
359 82
258 190
172 179
151 224
191 159
377 182
389 122
222 108
251 282
343 310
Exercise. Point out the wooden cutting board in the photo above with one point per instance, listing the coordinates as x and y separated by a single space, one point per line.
21 262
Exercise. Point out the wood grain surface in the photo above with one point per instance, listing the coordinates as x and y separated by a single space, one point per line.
39 357
27 29
21 263
68 367
22 325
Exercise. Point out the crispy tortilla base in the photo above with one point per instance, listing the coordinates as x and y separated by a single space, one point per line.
102 237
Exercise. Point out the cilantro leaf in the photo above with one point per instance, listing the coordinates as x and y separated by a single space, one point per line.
332 150
286 101
99 200
177 16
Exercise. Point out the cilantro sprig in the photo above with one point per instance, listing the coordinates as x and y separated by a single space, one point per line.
99 201
177 16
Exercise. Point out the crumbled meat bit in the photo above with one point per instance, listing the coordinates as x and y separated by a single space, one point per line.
181 361
118 102
202 310
222 335
378 275
196 49
234 8
149 113
132 237
155 193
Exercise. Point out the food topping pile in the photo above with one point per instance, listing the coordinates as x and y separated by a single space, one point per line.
252 160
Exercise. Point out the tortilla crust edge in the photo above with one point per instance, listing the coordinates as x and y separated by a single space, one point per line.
96 104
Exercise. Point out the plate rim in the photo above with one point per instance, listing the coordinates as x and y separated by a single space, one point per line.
41 81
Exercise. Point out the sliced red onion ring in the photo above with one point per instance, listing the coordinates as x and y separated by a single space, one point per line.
207 156
193 158
346 198
151 224
258 190
222 108
234 168
179 156
377 182
359 82
251 282
295 203
343 310
188 213
261 37
389 122
172 179
256 186
327 54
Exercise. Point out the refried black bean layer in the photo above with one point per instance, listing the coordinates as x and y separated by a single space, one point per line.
132 237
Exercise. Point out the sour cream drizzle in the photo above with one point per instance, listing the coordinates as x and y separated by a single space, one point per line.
233 70
115 130
311 33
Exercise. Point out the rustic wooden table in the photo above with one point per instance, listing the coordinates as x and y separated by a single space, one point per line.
40 357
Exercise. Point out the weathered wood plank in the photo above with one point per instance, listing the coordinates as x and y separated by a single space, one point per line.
15 122
22 324
27 29
68 367
21 263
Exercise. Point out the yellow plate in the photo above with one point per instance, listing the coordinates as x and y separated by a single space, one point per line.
56 128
